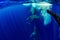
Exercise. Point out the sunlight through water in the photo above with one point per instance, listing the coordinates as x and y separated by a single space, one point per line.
43 6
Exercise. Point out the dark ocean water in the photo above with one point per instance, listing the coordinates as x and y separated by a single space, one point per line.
13 24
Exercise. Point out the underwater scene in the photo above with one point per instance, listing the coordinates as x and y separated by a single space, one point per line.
29 19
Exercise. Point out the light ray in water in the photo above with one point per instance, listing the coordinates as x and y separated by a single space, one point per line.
44 6
46 16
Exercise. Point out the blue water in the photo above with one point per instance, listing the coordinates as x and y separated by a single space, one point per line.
13 24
